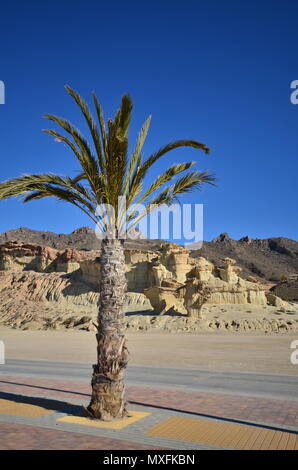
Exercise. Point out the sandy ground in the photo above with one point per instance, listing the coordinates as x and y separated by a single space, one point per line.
230 312
253 352
44 315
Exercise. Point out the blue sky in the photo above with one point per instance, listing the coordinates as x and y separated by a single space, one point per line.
216 71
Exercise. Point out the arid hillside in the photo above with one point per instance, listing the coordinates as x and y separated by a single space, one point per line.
270 259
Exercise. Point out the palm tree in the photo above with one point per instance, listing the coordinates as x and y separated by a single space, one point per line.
107 172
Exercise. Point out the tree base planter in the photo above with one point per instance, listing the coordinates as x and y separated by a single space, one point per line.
107 401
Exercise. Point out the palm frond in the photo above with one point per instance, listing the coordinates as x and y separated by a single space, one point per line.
46 190
136 157
117 147
123 115
165 178
81 176
86 159
167 148
101 121
185 184
49 185
91 124
61 138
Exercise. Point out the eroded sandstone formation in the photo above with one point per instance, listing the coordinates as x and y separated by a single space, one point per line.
42 287
205 283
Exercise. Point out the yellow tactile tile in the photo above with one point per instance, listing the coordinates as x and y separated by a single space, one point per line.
293 439
224 434
118 424
8 407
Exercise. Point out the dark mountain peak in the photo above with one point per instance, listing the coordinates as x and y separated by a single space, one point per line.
269 258
82 231
223 237
246 239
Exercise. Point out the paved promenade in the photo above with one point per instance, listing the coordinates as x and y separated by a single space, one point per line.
41 413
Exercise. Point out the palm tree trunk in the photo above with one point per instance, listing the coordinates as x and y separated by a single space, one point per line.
107 400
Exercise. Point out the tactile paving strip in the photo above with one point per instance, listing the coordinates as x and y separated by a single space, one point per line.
117 424
8 407
224 434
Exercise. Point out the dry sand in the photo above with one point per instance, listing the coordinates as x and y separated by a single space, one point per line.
253 352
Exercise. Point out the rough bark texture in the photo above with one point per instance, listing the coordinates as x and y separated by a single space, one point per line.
107 400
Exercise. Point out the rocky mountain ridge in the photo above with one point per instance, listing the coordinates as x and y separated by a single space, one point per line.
271 259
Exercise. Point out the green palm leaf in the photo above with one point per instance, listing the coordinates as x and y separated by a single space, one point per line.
102 125
110 174
91 124
185 184
135 160
123 115
167 148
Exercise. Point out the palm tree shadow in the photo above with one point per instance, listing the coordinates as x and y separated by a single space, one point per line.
79 410
46 403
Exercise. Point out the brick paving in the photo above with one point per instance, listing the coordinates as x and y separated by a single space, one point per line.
254 409
251 409
23 437
48 433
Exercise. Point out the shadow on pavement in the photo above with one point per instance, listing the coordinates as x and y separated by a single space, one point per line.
46 403
76 410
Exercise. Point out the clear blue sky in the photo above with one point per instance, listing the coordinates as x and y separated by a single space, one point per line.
215 71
